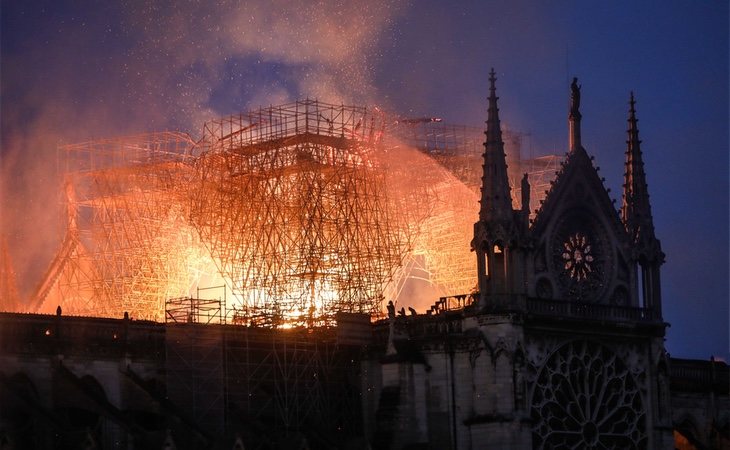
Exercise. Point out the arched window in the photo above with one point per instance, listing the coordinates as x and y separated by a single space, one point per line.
499 266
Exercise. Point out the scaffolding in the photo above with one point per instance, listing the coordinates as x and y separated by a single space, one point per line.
459 148
9 298
541 172
193 310
292 202
440 252
129 245
300 211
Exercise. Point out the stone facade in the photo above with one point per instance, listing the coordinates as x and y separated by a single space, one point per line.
563 346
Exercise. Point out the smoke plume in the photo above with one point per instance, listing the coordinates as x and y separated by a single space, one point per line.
99 70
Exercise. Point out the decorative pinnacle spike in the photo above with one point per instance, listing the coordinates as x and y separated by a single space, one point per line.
494 132
632 102
633 128
496 198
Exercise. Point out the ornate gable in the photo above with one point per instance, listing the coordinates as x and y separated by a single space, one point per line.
582 249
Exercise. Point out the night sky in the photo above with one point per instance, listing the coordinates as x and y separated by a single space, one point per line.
72 71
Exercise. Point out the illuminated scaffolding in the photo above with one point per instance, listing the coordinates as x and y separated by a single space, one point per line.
8 288
541 172
459 148
449 157
129 245
292 202
441 246
439 254
300 211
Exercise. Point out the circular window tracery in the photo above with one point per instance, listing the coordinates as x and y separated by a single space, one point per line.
578 256
585 397
581 257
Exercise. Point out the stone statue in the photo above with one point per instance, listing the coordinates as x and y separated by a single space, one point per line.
575 97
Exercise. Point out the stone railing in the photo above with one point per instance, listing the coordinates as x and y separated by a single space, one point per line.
452 303
40 334
591 311
698 375
557 308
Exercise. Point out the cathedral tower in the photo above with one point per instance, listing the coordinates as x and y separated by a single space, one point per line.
564 345
637 218
573 338
499 231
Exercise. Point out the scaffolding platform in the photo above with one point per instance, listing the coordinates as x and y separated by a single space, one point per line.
193 310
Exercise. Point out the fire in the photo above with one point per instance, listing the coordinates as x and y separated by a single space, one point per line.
281 217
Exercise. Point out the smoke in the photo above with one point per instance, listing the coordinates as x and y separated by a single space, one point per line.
261 50
74 73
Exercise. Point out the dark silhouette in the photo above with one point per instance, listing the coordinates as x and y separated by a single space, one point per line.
391 310
575 97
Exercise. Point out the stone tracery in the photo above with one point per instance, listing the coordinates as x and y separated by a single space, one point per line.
586 397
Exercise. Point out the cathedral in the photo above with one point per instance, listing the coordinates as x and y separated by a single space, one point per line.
560 345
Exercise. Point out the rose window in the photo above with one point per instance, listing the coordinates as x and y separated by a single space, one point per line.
577 256
581 257
585 398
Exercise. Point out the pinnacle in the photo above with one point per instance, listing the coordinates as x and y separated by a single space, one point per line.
636 209
496 201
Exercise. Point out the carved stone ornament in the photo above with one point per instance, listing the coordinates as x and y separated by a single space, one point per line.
581 257
585 397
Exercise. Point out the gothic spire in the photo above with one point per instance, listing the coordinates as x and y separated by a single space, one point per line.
636 209
496 201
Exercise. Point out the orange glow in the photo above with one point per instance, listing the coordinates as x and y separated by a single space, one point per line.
296 212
